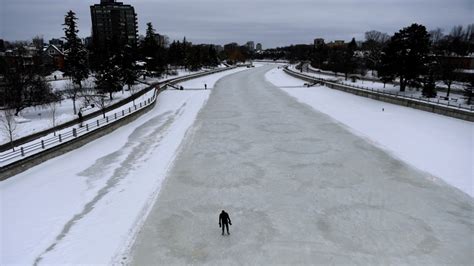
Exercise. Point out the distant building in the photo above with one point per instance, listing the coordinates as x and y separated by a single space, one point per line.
231 46
259 47
318 42
53 57
337 43
88 42
113 23
56 42
162 40
250 46
27 56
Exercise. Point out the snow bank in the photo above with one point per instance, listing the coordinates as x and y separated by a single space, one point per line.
439 145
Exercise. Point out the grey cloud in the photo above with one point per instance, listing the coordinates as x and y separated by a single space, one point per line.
272 22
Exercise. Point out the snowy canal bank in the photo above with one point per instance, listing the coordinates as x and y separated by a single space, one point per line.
439 145
82 207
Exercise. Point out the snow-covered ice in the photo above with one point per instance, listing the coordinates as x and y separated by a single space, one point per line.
83 207
440 145
300 188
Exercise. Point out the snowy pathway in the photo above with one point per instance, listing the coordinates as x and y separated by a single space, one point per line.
299 188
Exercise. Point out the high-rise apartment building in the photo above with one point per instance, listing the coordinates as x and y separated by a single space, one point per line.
113 23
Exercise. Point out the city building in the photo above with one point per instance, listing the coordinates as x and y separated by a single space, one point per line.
231 46
56 42
113 23
53 57
337 43
162 40
250 46
88 42
318 42
259 47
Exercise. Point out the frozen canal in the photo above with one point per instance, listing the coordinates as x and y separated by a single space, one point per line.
299 188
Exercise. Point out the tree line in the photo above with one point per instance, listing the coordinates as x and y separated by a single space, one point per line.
413 57
23 85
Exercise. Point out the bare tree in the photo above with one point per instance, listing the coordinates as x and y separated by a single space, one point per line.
8 125
457 32
377 36
436 35
53 107
133 89
98 100
72 91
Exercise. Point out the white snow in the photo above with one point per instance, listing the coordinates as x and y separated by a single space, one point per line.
36 119
456 98
439 145
84 206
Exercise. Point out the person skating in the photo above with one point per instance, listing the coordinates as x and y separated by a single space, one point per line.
224 221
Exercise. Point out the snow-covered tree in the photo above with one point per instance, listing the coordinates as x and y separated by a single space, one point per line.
108 78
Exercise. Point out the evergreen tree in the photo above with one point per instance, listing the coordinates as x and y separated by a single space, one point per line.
349 64
406 55
75 60
128 68
429 81
174 53
108 78
154 54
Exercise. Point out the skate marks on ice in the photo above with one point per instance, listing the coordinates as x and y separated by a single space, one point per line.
301 189
249 174
361 228
116 166
186 226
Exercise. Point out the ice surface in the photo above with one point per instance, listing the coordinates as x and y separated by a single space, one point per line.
440 145
83 207
300 188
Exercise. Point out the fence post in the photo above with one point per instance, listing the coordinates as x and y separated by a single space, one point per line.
42 144
107 119
60 139
22 151
87 127
123 112
140 105
115 116
97 123
74 132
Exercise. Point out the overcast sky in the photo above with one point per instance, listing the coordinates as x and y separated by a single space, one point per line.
271 22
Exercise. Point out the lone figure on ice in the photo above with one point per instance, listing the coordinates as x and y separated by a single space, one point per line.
224 221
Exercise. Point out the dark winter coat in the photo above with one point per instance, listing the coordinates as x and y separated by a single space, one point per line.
224 218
